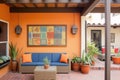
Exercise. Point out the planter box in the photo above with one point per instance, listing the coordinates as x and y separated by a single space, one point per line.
4 64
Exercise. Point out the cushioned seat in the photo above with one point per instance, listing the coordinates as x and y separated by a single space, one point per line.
55 57
33 64
58 64
37 60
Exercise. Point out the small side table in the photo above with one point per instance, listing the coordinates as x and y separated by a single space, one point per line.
45 74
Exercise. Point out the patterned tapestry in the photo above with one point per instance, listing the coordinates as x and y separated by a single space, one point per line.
46 35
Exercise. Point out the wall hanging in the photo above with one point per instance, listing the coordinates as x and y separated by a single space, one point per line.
46 35
74 27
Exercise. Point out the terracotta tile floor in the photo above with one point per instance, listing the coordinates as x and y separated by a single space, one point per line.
93 75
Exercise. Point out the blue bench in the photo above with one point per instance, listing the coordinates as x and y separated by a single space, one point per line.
37 60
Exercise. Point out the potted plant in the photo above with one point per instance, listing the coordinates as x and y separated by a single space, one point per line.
85 61
75 63
46 63
92 51
116 58
13 53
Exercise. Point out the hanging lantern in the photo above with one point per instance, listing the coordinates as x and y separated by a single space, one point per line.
18 29
74 29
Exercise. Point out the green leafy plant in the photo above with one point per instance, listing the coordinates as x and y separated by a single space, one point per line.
92 50
46 61
13 51
76 59
85 59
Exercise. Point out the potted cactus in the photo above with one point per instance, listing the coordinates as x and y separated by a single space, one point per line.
46 63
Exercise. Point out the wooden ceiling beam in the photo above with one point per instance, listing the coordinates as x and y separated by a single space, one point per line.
66 5
24 5
112 5
11 5
90 7
56 1
36 1
45 1
43 9
35 5
112 1
102 10
2 1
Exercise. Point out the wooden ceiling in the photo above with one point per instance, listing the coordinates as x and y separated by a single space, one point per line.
47 3
59 5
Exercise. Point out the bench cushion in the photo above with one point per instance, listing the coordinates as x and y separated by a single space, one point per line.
35 57
33 64
58 64
55 57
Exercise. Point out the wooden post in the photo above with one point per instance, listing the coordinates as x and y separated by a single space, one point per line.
107 39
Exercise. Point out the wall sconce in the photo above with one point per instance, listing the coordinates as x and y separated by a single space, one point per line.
18 29
74 29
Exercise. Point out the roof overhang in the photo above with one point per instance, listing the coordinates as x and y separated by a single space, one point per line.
81 6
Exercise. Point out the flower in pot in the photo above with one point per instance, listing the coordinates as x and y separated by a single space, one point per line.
13 53
92 51
46 63
75 63
85 61
116 58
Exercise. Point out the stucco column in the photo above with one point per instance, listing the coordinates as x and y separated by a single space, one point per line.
83 32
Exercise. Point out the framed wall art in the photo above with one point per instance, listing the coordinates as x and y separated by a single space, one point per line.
46 35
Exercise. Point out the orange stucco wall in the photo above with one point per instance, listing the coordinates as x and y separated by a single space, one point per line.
4 12
4 16
24 19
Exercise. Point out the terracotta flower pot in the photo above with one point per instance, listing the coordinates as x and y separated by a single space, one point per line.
46 66
14 65
116 60
75 66
85 69
80 66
